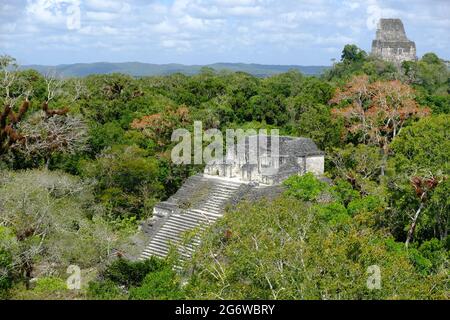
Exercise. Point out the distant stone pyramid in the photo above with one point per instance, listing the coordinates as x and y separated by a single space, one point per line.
391 43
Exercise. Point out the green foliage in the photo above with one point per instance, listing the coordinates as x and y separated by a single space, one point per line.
103 290
334 213
344 192
159 285
421 150
355 61
34 80
429 73
315 243
359 165
438 210
127 179
44 288
54 221
438 103
106 135
127 273
369 204
423 146
130 168
5 277
378 69
352 53
153 278
435 252
49 284
8 247
315 122
306 187
421 263
431 79
283 250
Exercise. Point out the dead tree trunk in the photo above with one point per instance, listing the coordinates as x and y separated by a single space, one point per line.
413 225
422 186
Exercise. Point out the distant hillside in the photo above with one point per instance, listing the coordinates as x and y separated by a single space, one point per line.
146 69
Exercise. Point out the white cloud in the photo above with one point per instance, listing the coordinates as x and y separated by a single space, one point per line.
101 16
290 31
245 11
375 11
164 27
55 12
8 27
107 5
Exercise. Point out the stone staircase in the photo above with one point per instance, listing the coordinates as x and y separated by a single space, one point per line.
199 203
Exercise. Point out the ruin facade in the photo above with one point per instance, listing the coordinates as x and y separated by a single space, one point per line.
259 164
391 43
203 198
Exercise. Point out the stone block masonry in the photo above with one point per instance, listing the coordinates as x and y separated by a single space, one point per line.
391 43
199 203
202 199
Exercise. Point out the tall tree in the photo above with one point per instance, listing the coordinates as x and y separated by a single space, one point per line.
13 89
376 112
423 186
352 53
419 178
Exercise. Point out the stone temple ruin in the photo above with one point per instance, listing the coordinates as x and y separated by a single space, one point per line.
293 156
202 199
391 43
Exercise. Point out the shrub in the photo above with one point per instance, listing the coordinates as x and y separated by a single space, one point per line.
434 251
306 187
127 178
128 273
49 285
103 290
333 213
344 191
45 288
53 219
6 279
367 204
160 285
7 250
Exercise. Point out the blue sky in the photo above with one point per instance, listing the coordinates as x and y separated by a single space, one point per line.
308 32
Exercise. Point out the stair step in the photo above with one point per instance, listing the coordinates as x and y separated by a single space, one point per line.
216 215
166 242
170 230
164 237
188 223
216 201
164 250
185 219
178 227
221 194
212 205
200 217
159 251
189 219
209 215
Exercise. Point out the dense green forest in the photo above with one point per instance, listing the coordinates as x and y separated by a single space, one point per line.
146 69
84 160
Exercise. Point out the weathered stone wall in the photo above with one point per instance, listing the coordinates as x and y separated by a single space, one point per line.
391 30
295 156
391 43
315 165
